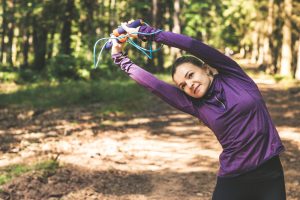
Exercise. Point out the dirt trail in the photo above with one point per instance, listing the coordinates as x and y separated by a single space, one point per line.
164 154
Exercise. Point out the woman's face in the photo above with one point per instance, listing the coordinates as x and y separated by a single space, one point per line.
193 80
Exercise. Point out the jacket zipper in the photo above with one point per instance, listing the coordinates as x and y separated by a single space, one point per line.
220 102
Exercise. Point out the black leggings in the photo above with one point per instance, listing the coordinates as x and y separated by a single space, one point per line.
264 183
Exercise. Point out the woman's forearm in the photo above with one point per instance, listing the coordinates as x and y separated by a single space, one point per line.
170 94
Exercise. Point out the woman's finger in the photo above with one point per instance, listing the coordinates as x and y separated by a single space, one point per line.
114 41
125 27
129 22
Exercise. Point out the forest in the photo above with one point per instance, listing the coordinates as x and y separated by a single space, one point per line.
54 39
72 130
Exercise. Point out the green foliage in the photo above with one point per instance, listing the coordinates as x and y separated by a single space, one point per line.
8 76
28 75
116 95
39 31
62 67
278 78
48 166
12 171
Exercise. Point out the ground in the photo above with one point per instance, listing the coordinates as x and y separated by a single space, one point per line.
162 154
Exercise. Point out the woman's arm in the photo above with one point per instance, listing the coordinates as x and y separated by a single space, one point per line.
209 55
170 94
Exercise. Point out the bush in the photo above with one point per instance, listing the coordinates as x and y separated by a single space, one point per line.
62 67
8 76
28 75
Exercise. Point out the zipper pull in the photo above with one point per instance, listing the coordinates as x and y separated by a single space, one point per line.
223 105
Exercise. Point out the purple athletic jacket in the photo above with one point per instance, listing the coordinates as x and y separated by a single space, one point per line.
232 108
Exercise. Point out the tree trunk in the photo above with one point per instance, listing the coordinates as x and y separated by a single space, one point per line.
4 29
176 27
261 39
112 15
25 38
159 24
25 48
51 44
297 75
169 10
156 22
11 28
90 6
66 30
286 60
39 45
150 62
255 45
268 39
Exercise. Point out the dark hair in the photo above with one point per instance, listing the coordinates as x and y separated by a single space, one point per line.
187 59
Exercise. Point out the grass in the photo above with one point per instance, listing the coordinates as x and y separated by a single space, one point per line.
120 95
13 171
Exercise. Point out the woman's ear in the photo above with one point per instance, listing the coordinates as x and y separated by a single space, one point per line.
210 70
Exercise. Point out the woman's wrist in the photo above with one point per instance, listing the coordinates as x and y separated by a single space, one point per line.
115 51
116 47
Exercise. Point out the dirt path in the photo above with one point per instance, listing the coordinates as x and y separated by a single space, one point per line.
163 154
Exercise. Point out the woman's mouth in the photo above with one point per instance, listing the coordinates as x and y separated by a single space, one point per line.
196 89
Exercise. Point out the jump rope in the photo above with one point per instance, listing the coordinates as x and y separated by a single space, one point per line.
122 36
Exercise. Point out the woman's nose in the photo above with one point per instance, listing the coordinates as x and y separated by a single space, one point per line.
189 83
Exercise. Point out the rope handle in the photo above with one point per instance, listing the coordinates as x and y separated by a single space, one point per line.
121 36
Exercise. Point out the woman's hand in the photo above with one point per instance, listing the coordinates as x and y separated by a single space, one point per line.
131 31
116 47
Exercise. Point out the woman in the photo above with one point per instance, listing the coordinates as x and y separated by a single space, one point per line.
225 98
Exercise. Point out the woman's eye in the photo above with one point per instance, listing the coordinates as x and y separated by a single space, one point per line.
191 75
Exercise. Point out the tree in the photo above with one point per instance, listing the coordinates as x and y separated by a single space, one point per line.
4 30
286 58
65 46
176 26
297 75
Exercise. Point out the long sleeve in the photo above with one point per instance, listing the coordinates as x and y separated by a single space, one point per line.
209 55
170 94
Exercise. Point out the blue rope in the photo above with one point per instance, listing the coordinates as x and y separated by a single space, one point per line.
147 52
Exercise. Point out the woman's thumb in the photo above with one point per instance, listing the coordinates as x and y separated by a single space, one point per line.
125 27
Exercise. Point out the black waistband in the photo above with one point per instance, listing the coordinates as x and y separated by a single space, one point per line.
270 170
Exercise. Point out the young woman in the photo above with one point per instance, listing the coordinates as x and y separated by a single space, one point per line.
225 98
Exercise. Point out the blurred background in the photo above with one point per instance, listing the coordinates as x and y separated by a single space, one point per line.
70 131
54 39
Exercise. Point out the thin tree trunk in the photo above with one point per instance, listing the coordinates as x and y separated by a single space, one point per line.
286 60
255 44
66 30
90 6
268 39
25 48
159 23
25 38
176 27
11 28
260 48
277 37
51 44
39 44
297 75
169 10
111 24
151 62
4 29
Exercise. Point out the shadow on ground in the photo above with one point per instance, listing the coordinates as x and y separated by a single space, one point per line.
75 183
159 125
